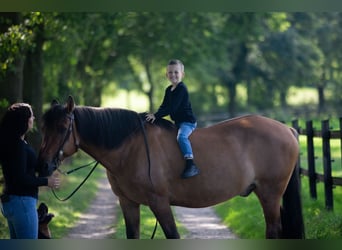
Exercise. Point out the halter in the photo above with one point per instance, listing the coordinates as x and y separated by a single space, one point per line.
57 158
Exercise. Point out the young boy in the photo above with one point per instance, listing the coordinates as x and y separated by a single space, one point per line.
176 103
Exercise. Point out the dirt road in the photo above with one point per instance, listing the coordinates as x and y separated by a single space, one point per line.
98 221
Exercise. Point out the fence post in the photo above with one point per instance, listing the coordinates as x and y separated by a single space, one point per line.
311 159
327 165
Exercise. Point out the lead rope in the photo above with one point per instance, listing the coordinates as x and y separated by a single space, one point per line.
149 167
80 185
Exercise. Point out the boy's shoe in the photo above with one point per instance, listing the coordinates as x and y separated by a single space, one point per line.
190 171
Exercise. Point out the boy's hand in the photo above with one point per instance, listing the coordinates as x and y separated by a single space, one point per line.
150 118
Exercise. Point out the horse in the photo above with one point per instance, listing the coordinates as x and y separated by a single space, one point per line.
143 162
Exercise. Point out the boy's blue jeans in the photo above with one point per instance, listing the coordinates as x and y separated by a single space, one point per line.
22 217
184 131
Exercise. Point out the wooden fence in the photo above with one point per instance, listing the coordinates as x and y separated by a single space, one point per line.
326 133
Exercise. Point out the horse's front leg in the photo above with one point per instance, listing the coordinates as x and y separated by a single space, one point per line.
161 208
131 213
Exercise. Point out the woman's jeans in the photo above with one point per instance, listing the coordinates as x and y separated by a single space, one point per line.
22 217
184 131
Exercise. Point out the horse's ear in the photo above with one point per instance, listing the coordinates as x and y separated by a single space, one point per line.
70 105
54 102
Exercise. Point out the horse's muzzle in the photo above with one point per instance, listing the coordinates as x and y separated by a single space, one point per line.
46 169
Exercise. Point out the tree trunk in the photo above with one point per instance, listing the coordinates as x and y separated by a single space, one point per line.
232 98
320 90
11 83
321 99
11 86
33 83
238 71
150 92
282 96
231 86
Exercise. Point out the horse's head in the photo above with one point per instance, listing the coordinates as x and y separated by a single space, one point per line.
59 136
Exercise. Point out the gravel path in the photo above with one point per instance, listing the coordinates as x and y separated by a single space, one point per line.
202 223
98 221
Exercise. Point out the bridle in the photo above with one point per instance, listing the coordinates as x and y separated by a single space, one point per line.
60 152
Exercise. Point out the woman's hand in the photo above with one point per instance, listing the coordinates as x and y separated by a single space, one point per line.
150 118
54 181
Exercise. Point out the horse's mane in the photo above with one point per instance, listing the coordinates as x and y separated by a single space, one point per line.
103 127
163 123
109 127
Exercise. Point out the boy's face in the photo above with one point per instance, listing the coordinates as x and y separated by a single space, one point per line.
175 73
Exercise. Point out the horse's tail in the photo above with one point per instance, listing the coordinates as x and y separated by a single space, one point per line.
291 212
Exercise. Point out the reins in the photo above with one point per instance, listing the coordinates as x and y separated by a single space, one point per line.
147 150
81 184
75 169
149 167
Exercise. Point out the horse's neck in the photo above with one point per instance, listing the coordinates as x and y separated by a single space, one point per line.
110 159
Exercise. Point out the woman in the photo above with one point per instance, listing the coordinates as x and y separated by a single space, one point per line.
18 161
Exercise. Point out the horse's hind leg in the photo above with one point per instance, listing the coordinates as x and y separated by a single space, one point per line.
131 213
161 208
271 208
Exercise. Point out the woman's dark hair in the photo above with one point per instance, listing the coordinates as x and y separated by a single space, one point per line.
14 123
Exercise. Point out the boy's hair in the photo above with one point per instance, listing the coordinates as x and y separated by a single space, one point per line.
175 62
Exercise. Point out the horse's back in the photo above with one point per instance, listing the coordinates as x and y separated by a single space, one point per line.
249 136
249 131
234 155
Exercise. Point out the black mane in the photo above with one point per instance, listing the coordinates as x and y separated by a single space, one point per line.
163 123
104 127
107 127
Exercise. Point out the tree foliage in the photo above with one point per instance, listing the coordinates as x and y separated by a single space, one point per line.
82 53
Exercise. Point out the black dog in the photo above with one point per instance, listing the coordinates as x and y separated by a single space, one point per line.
44 218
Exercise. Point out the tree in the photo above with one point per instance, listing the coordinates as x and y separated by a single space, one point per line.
33 72
14 40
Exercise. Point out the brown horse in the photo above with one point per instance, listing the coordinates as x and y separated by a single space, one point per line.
144 163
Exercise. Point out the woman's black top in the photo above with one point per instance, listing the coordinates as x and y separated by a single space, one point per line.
19 162
176 103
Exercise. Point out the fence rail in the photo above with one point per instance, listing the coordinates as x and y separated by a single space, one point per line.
326 133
